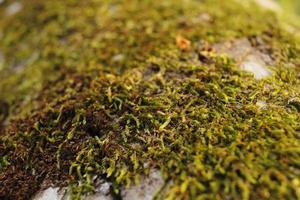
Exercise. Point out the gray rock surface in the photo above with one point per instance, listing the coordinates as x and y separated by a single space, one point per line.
52 193
146 189
250 59
102 191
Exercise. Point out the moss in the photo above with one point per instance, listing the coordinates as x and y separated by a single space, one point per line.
106 86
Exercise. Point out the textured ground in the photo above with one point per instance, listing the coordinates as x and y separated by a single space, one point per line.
199 99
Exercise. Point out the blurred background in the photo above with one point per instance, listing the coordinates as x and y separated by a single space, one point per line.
291 12
291 5
288 11
292 8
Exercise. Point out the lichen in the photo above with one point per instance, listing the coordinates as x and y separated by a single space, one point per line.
117 88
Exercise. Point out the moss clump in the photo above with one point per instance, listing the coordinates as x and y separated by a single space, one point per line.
110 90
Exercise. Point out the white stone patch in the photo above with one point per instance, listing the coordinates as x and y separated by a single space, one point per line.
118 58
261 104
51 194
256 68
249 58
13 8
102 190
98 196
1 1
269 4
146 189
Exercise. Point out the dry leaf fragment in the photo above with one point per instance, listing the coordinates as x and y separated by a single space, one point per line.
183 43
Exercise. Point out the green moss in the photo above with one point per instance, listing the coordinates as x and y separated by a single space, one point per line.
106 90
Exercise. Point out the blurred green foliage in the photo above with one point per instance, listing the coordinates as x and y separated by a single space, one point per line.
291 10
291 5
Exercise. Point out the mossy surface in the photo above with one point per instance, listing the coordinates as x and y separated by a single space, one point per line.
115 88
